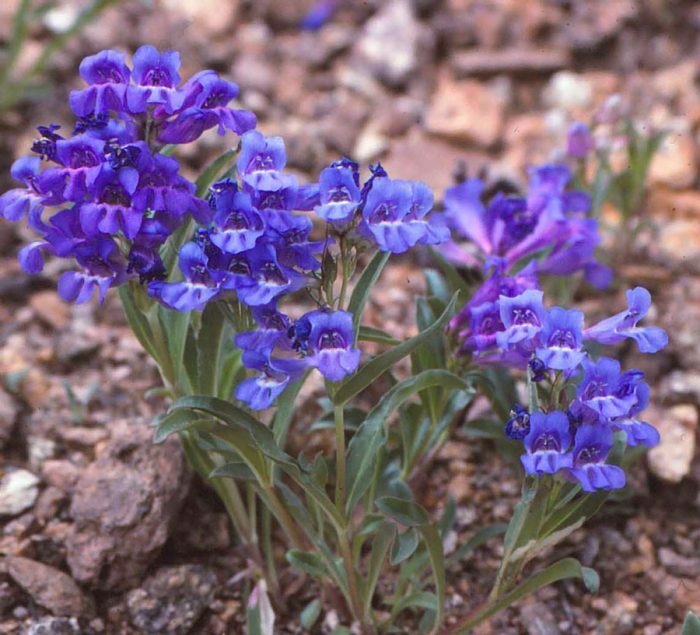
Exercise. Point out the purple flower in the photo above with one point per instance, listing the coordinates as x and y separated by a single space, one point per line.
260 392
592 445
267 280
102 269
328 338
579 141
272 332
41 189
603 388
340 195
31 258
238 225
547 443
209 96
538 369
144 260
518 426
320 12
108 77
638 432
199 286
615 329
45 145
561 339
156 77
261 160
82 158
523 317
394 216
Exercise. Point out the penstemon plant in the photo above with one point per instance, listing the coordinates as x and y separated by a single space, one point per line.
205 273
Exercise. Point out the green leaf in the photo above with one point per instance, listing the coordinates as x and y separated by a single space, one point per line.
213 171
174 326
310 614
237 470
364 446
137 321
285 410
561 570
419 599
307 562
432 540
209 348
260 618
380 364
178 422
367 279
371 334
453 277
691 624
404 546
380 547
403 511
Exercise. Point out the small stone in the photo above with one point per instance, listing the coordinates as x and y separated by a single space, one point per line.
390 41
53 626
538 619
8 416
60 473
459 487
671 459
49 587
207 17
680 241
50 309
675 163
515 61
172 600
568 91
466 112
370 145
49 503
18 491
678 565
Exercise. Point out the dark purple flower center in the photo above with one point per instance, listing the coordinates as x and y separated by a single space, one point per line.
272 200
236 221
272 274
158 76
109 74
589 454
563 339
239 267
120 156
547 441
91 122
216 99
83 157
338 194
273 375
525 316
595 388
261 162
331 340
386 211
115 194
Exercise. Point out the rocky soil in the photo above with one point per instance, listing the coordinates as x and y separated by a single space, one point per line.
103 532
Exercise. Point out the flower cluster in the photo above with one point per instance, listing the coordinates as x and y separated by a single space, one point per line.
578 441
119 198
551 224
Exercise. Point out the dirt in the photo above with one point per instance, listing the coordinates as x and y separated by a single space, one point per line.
131 542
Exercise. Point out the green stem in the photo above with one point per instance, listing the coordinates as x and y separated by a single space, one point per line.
340 458
355 603
344 263
284 517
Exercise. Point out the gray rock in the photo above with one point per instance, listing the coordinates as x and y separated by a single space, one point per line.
172 600
18 491
679 565
123 505
49 587
390 43
53 626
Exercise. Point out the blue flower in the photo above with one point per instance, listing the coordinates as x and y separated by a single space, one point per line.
260 392
523 317
561 339
538 369
108 77
238 225
41 189
592 445
394 216
547 443
102 269
340 195
328 338
615 329
579 140
603 388
272 332
638 432
82 158
156 78
209 95
200 285
518 426
261 161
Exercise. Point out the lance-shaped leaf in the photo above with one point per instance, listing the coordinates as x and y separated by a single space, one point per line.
363 449
209 349
367 279
403 511
404 546
380 364
691 624
179 421
380 547
307 562
561 570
